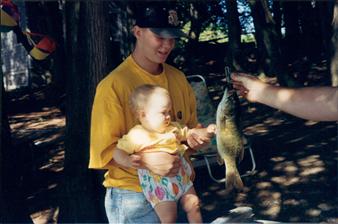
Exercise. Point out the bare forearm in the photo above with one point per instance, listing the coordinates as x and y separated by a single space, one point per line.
122 158
312 103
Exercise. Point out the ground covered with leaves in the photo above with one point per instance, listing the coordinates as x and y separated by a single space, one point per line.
295 178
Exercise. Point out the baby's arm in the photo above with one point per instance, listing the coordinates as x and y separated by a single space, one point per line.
207 132
199 137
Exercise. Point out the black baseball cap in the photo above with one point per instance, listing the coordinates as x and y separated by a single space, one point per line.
161 20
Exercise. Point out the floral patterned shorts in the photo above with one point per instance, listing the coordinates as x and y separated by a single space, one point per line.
158 188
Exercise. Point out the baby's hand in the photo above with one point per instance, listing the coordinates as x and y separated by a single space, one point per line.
199 137
211 129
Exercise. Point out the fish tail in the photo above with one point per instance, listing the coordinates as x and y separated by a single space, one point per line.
232 178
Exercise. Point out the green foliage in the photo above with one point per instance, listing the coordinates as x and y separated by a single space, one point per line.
248 38
217 34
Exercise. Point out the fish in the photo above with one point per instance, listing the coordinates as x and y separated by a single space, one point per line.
229 137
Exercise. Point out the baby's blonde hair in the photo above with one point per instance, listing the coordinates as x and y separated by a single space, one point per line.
141 95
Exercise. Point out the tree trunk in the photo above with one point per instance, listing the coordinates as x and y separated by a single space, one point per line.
268 43
326 9
88 39
234 34
292 31
334 61
12 204
197 12
197 15
310 31
121 24
36 18
56 31
277 16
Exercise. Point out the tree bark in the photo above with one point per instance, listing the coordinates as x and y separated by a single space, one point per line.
198 13
277 16
292 30
326 9
56 31
121 23
334 61
88 45
310 31
268 43
234 34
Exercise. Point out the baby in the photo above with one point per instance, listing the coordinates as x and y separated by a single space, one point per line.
152 106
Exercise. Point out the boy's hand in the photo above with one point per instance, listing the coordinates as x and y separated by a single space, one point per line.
160 163
135 161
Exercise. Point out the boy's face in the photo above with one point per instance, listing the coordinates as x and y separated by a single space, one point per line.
156 113
154 48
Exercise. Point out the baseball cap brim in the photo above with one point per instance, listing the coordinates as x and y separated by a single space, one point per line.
168 32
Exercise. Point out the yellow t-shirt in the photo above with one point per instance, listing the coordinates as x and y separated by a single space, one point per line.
140 139
112 117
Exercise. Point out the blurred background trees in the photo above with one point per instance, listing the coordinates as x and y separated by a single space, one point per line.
281 39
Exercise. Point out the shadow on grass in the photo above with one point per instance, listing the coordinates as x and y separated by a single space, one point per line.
296 179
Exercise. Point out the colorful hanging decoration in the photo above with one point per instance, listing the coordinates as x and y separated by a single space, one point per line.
42 45
9 15
39 46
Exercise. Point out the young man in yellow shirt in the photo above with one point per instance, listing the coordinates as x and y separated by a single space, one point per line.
155 30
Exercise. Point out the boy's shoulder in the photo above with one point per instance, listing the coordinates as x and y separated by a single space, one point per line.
119 78
173 70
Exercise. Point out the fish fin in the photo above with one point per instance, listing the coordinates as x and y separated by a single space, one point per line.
241 156
219 160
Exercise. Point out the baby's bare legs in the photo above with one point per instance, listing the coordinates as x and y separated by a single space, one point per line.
166 211
191 206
